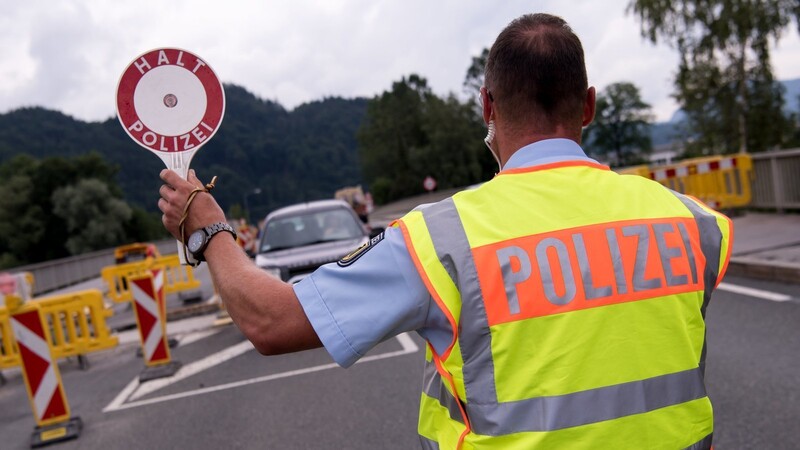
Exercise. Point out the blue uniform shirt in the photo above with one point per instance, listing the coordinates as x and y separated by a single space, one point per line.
381 294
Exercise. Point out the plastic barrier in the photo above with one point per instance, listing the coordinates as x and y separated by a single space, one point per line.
178 278
722 182
76 324
40 371
151 318
135 251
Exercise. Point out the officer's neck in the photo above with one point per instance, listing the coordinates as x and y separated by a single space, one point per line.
510 141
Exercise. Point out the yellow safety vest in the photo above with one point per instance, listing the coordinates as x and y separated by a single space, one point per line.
576 298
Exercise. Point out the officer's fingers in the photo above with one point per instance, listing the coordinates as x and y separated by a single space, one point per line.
173 179
166 192
193 179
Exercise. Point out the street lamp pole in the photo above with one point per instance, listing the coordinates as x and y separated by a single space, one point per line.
255 191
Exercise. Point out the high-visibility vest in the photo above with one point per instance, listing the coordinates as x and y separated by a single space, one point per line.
576 299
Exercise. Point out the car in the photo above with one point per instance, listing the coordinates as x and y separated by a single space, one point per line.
295 240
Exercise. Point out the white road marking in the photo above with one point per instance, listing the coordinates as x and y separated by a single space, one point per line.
752 292
193 368
131 391
196 336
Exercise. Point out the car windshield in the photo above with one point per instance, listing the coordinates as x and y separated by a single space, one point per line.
310 228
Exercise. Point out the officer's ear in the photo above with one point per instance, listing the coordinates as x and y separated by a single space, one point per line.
589 106
487 102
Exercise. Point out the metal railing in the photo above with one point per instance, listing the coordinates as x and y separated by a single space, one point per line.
776 183
64 272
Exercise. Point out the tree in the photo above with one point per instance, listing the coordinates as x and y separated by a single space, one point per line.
473 81
36 225
95 220
620 132
410 133
391 132
724 81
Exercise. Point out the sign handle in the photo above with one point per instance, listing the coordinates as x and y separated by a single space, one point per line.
179 162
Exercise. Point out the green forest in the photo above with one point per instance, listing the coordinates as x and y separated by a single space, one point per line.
70 186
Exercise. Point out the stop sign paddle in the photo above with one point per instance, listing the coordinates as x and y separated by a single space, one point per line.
170 102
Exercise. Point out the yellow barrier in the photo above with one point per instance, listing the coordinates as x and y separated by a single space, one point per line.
643 170
178 277
721 182
9 354
76 323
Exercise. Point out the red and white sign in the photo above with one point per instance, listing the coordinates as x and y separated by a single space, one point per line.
429 183
148 295
40 371
170 100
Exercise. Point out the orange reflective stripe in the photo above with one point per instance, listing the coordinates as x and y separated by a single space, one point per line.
446 376
426 280
555 165
727 253
588 267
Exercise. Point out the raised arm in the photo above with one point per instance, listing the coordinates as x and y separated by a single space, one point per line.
264 308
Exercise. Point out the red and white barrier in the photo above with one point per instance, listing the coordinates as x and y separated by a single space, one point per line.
689 169
148 296
40 371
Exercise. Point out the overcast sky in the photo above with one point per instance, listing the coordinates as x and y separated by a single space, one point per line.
68 55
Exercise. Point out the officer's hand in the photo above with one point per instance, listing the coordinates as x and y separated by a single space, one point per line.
202 212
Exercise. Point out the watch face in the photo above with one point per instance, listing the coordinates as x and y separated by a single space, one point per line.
196 241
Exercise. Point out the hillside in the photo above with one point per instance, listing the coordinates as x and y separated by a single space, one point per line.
303 154
291 156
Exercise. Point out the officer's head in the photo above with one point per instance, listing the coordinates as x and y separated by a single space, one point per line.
536 79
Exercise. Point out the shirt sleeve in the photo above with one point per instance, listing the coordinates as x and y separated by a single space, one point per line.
377 296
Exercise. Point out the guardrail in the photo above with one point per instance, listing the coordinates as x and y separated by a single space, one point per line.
64 272
776 183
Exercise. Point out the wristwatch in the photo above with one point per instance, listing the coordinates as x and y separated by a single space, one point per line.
198 241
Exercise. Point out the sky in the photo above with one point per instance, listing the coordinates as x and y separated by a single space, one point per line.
68 55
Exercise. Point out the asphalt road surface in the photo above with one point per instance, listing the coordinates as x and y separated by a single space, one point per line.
233 398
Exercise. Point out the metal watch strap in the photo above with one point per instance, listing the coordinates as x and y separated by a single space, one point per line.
215 228
212 230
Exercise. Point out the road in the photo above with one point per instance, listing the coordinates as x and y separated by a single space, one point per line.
235 398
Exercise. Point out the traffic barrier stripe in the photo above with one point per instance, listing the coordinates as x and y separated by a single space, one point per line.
719 181
179 278
42 378
76 323
148 294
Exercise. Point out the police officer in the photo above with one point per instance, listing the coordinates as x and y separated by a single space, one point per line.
563 304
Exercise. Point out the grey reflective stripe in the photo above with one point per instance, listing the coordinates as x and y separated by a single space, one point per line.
510 277
687 245
450 241
591 291
490 417
710 244
432 387
616 258
546 271
640 283
585 407
668 253
427 444
702 444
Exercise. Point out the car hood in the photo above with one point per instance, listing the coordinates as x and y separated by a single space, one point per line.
309 255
